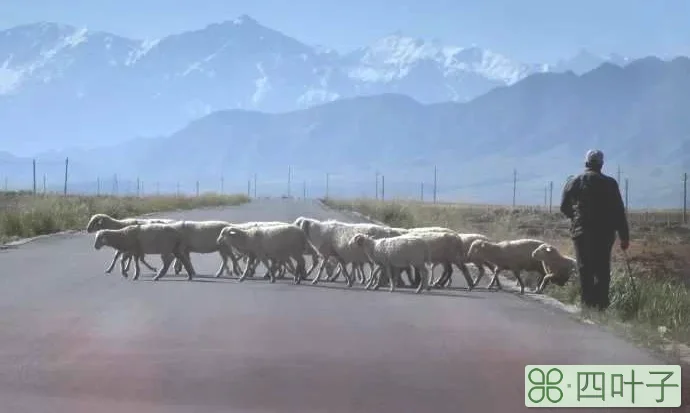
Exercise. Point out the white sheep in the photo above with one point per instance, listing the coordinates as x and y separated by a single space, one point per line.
467 240
200 238
284 266
278 243
331 239
400 251
558 267
446 248
141 239
513 255
103 221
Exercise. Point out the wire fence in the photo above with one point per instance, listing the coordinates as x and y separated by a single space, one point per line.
652 200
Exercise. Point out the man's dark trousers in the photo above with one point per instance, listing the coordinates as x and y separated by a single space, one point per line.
593 254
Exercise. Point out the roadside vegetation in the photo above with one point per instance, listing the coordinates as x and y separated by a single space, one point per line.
653 308
23 214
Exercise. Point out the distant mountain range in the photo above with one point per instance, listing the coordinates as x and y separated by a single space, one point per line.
62 86
541 125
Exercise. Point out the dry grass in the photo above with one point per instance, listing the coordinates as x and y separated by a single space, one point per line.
659 253
23 215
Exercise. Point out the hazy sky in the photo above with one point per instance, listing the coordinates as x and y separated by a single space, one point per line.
530 30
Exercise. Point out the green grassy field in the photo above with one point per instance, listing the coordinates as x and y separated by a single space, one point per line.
659 256
24 215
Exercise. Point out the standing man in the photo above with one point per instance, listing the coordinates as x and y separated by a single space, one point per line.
595 207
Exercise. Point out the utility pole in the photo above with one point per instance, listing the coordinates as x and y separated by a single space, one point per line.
197 188
685 198
383 187
44 184
34 162
550 196
546 189
158 188
618 175
435 182
249 187
5 184
254 185
66 168
138 187
327 179
514 185
626 194
377 185
422 193
289 180
98 185
304 190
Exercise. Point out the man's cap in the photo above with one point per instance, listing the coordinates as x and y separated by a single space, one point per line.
594 156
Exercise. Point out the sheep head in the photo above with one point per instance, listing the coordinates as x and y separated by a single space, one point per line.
543 251
358 240
95 223
231 235
476 247
101 240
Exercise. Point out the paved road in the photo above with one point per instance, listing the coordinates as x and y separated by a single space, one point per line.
75 340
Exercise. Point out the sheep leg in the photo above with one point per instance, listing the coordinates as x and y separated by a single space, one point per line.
519 280
143 261
167 260
347 275
300 271
544 282
375 272
334 276
495 280
466 274
314 263
112 264
391 282
424 281
443 279
272 269
123 270
318 273
137 270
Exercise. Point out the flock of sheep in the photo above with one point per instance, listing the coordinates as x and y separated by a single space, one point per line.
333 246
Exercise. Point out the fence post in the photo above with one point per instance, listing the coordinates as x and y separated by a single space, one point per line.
685 198
435 182
626 194
383 187
34 163
514 185
66 168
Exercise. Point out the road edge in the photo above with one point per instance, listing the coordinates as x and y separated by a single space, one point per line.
669 346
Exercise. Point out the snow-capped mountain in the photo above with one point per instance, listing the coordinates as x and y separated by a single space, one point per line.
62 85
585 61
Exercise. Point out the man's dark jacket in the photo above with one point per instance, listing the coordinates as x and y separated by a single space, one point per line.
594 205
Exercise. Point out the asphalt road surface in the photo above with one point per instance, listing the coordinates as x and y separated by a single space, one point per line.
75 340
